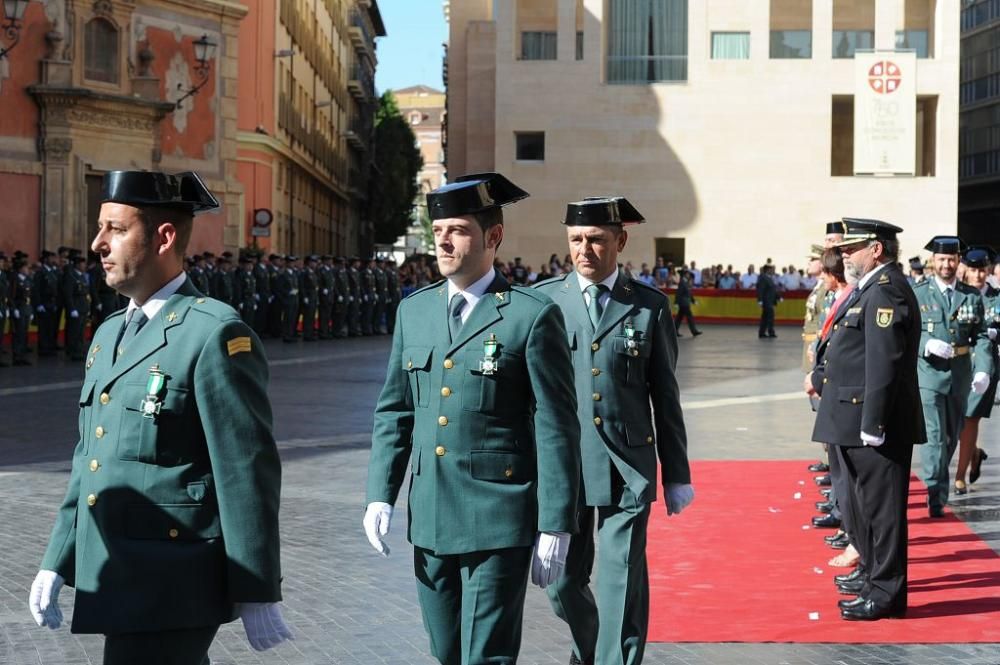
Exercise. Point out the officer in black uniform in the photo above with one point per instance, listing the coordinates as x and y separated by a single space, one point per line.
262 294
309 290
367 281
76 297
222 282
354 301
200 276
381 296
287 293
275 309
342 294
245 290
4 304
872 413
21 309
767 298
395 294
326 296
46 298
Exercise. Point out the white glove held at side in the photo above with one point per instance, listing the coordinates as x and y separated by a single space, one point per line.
378 517
548 559
980 382
43 600
678 497
939 348
264 625
872 440
992 332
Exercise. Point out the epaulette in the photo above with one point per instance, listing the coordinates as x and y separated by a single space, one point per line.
647 287
429 287
534 293
883 279
962 287
922 284
212 307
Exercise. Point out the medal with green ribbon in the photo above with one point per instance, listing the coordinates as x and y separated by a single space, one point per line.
488 365
632 337
150 406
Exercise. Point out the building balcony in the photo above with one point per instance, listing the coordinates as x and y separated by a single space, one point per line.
360 34
355 140
361 84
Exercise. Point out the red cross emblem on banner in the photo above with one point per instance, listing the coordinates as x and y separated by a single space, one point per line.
884 77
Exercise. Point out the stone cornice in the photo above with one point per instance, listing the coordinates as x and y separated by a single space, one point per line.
68 105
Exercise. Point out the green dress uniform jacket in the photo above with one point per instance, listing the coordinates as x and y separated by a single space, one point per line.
495 457
627 398
980 406
171 516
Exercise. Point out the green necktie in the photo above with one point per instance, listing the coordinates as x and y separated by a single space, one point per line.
594 308
455 315
130 331
947 295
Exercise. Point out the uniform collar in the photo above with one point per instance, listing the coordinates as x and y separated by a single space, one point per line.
155 303
475 291
871 274
943 286
608 281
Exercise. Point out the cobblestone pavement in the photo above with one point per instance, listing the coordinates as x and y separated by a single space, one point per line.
347 605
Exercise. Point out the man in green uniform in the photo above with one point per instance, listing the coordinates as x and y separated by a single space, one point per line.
624 353
76 298
326 296
342 292
170 523
955 354
479 397
245 290
21 308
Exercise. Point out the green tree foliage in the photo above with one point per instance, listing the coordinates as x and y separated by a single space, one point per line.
397 162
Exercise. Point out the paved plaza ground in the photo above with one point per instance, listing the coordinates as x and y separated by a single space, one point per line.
347 606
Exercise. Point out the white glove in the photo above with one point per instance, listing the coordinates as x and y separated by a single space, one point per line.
305 300
340 298
548 559
17 313
73 314
992 332
939 348
980 382
872 440
100 307
678 497
326 291
264 625
43 600
378 517
40 309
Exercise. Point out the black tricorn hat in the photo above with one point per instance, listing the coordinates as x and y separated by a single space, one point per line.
979 256
602 211
944 245
185 190
916 263
857 229
472 193
834 227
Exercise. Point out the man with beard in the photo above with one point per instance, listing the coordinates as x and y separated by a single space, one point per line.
868 378
956 356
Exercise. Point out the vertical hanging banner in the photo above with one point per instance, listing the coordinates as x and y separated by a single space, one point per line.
885 113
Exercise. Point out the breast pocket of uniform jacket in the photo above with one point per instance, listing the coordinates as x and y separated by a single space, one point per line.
500 386
851 394
154 428
417 365
852 320
86 406
630 358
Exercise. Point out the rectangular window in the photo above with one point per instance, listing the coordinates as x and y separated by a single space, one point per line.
926 133
529 146
579 45
730 46
647 41
791 29
538 46
913 39
917 31
842 136
853 26
579 29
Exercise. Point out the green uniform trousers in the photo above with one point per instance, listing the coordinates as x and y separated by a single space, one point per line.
612 630
943 416
472 604
171 647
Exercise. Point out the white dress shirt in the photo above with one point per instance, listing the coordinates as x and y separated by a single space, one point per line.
156 301
608 281
473 293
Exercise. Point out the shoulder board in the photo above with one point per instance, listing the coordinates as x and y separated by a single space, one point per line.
647 287
965 288
212 307
531 292
552 281
883 279
429 287
922 284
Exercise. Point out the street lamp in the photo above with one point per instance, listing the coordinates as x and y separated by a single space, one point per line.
204 51
14 12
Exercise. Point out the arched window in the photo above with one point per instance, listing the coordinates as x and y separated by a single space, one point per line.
100 44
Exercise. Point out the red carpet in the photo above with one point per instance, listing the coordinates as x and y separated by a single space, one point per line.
737 566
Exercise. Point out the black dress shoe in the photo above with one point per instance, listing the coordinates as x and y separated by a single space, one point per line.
852 588
771 335
696 333
826 522
762 336
840 543
819 467
573 660
853 602
823 481
869 611
824 506
826 491
935 511
834 536
857 573
977 463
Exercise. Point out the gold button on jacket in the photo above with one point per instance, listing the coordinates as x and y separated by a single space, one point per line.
440 451
105 398
94 465
91 499
442 421
99 432
448 363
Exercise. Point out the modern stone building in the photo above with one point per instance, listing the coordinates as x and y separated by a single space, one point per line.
729 124
304 129
423 108
979 126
